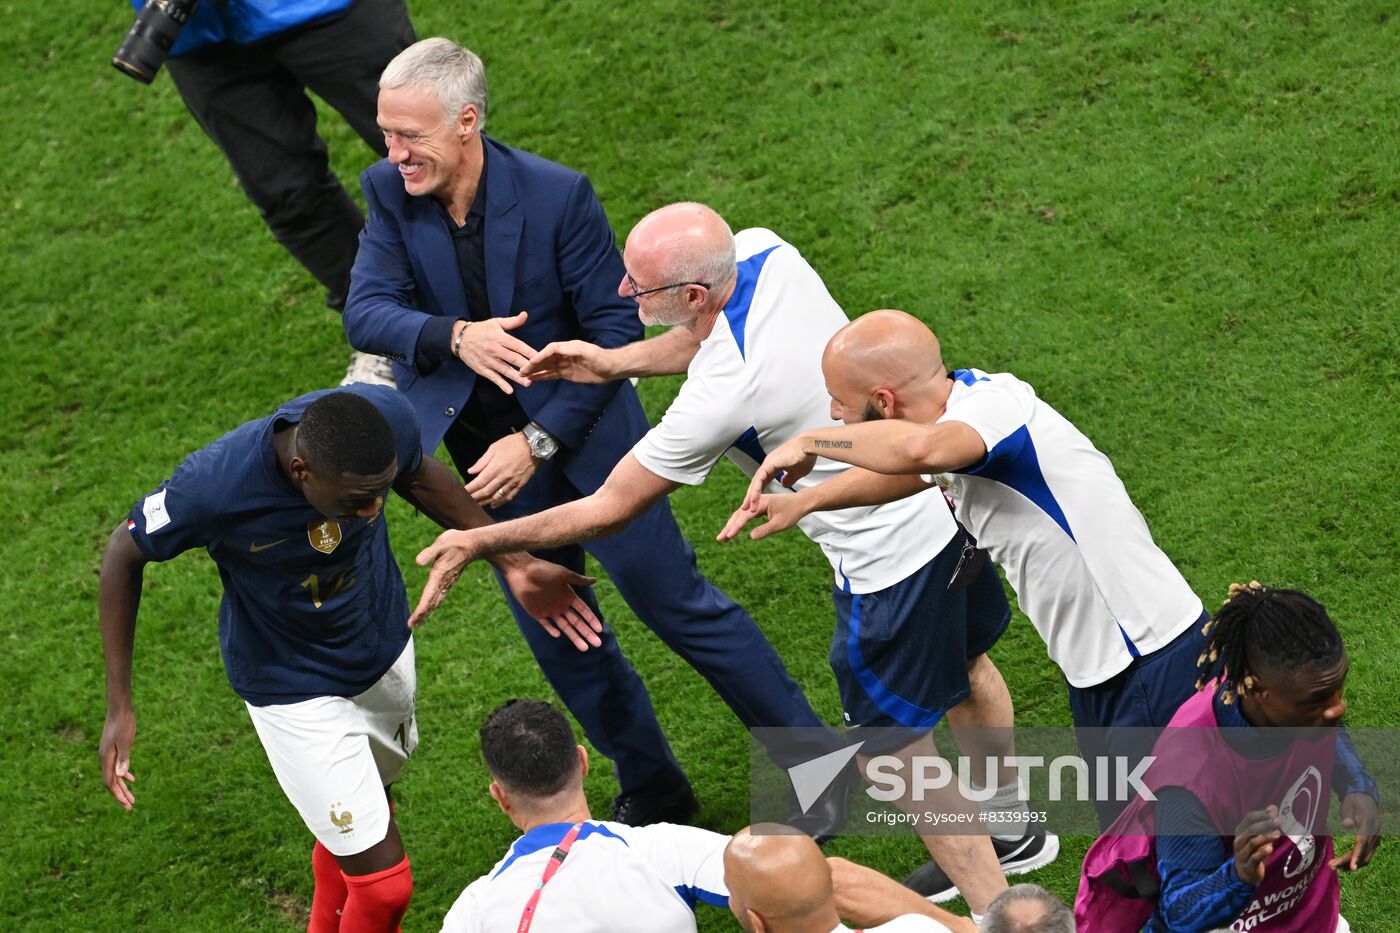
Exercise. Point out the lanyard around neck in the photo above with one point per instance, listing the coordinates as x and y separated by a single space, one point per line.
556 859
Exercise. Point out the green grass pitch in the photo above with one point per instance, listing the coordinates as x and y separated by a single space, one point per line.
1178 221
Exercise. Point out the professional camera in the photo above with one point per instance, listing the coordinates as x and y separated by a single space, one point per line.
148 43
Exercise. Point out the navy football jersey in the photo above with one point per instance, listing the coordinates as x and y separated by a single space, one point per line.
312 606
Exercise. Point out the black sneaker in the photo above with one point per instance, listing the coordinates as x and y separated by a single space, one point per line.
1033 850
640 808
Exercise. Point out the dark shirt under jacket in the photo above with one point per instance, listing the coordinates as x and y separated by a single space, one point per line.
489 414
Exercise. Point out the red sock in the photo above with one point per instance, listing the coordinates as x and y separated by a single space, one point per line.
377 902
329 896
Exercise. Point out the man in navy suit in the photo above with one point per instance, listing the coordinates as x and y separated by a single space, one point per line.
473 253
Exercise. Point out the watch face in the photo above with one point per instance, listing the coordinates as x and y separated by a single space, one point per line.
541 444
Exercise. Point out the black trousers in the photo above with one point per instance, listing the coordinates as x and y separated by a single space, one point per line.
251 100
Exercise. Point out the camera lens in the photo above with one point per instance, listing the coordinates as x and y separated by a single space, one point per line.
148 42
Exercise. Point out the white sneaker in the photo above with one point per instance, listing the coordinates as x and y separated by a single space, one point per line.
366 367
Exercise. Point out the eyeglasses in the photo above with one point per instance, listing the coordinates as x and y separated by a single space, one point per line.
639 292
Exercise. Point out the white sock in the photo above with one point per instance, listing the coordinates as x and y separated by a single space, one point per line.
1011 819
977 920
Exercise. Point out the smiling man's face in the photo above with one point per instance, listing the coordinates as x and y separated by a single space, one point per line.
428 149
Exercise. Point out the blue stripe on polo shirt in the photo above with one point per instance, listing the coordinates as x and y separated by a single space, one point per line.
692 894
967 377
1132 648
1013 462
747 444
909 715
737 308
550 835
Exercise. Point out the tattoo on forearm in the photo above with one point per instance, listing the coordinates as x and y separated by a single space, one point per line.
841 445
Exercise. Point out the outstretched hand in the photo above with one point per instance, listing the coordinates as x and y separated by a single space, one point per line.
782 511
449 556
489 349
114 752
788 459
574 360
546 591
1361 815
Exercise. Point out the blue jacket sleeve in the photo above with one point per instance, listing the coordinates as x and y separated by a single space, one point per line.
1349 775
590 271
380 316
1199 892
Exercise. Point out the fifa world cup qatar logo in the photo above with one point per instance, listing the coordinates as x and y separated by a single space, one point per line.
1297 816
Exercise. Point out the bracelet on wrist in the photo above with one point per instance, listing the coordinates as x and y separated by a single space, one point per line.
457 339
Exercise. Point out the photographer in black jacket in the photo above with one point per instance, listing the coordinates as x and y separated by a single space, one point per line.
243 68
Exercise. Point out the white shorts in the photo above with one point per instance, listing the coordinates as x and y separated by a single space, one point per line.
334 756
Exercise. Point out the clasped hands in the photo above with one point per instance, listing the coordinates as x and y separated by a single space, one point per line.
490 350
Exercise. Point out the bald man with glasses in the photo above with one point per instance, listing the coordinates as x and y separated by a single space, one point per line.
908 647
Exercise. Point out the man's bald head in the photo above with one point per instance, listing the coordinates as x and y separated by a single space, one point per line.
880 358
685 242
680 265
888 348
780 875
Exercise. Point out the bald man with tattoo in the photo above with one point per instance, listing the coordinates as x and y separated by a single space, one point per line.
1116 615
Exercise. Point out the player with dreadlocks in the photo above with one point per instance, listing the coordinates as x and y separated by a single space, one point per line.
1274 660
1278 630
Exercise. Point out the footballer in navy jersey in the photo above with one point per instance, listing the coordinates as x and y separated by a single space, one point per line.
313 603
313 624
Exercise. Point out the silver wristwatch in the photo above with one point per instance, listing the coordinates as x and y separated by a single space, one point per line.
542 443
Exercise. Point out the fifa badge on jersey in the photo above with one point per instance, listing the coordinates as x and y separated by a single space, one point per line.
343 821
154 511
324 535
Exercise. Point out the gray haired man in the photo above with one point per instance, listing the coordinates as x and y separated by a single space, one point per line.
1027 908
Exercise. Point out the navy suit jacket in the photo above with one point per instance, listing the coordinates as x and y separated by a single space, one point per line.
549 251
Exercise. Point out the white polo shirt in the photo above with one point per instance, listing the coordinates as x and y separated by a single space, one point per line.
908 923
1049 508
757 382
615 879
